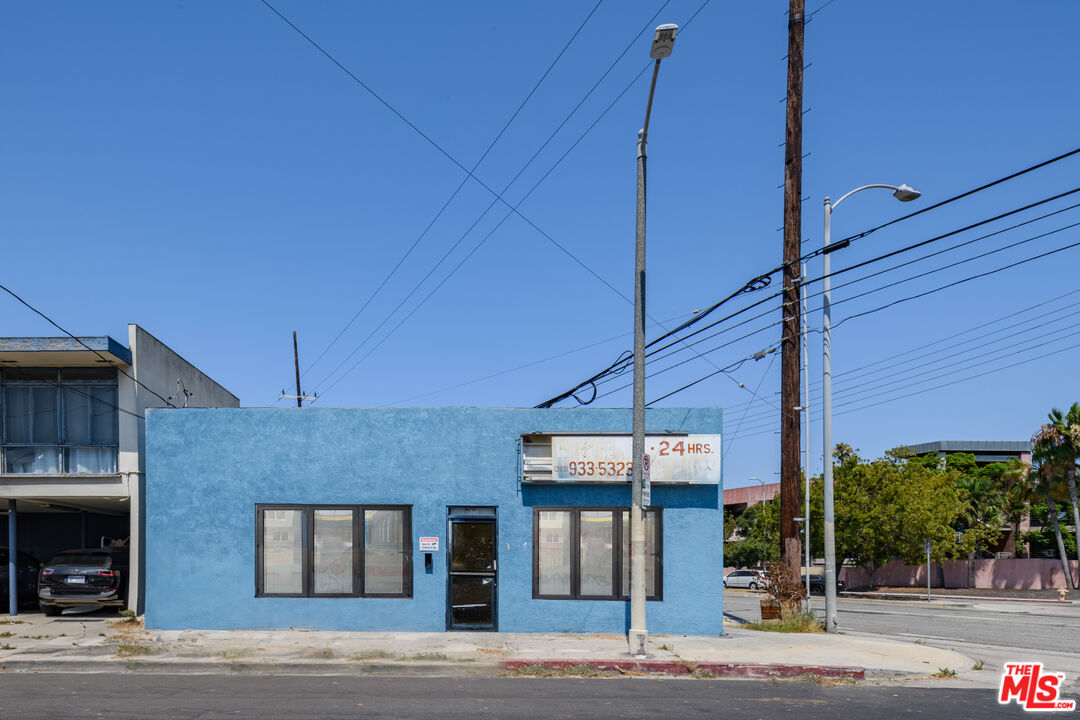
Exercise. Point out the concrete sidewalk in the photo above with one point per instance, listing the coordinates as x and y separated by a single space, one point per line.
97 642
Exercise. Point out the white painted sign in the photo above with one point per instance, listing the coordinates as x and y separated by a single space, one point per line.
682 459
429 544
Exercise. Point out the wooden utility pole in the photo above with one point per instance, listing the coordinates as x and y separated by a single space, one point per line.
299 396
296 363
789 323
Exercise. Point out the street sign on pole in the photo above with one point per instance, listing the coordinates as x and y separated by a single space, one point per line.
646 482
926 546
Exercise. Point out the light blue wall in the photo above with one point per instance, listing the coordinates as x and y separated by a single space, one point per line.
207 469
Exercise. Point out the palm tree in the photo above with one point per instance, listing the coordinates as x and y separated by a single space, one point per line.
1067 430
1046 482
984 505
1011 478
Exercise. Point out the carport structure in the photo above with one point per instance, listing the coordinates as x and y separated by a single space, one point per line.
73 432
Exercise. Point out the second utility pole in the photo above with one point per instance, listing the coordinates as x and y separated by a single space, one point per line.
789 355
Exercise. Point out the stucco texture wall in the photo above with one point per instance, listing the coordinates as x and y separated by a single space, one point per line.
207 470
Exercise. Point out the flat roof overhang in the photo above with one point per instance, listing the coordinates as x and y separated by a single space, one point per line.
62 352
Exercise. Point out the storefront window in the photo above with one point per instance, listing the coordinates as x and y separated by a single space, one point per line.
581 553
385 547
554 549
314 550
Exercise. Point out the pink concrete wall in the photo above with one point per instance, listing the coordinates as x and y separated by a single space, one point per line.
751 494
1014 573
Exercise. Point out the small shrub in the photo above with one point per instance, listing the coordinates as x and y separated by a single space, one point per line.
977 666
945 673
702 674
782 586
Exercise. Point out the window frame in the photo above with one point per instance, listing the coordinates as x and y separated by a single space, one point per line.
307 560
575 556
59 383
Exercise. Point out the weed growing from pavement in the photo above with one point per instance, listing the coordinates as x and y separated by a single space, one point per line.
801 622
426 656
12 622
371 655
542 671
7 634
821 680
319 654
702 674
5 646
977 666
944 673
235 652
128 649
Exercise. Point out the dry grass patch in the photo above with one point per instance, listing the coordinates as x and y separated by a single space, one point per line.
371 655
130 649
318 654
800 622
230 653
576 671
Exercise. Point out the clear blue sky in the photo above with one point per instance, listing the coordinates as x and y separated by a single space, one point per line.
200 169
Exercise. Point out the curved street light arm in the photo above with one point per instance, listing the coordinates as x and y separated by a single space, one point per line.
894 188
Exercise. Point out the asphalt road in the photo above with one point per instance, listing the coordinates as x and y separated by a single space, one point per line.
1032 626
179 697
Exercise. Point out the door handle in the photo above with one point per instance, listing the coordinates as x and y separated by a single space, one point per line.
495 565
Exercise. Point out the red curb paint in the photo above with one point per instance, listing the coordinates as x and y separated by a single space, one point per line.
666 667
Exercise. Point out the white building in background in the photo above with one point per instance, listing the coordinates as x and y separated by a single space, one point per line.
72 440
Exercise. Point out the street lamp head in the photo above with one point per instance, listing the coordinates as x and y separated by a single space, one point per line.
663 41
906 194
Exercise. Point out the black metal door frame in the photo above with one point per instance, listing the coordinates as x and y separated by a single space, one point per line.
472 514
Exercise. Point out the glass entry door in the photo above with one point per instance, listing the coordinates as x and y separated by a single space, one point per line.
471 594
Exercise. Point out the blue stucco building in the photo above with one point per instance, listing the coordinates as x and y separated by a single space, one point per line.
428 519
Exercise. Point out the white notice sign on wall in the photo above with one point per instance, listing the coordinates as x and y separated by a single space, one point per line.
429 544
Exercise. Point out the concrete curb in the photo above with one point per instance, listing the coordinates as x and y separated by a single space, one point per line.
218 667
716 669
916 596
426 669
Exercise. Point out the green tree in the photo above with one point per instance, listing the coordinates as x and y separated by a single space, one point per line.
758 530
1054 457
887 508
1067 430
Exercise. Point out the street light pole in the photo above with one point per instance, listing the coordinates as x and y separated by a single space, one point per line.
638 635
903 193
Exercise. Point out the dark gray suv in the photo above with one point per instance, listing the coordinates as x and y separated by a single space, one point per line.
84 578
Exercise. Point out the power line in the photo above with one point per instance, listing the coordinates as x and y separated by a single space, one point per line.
738 428
79 340
512 211
518 367
956 282
954 198
976 344
436 145
457 190
874 290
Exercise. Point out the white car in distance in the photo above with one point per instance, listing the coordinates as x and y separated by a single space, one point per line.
752 579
